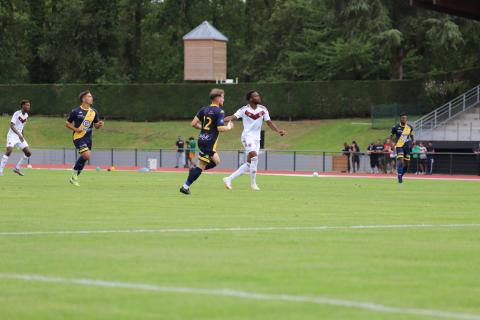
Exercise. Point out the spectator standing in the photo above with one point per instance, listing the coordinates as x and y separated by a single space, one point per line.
355 156
180 156
423 158
387 149
393 157
415 156
191 145
430 159
346 152
373 157
380 157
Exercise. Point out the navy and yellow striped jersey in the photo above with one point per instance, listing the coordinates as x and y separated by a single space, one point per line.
84 119
211 117
399 132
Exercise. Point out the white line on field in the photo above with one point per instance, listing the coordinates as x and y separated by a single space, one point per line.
238 229
369 306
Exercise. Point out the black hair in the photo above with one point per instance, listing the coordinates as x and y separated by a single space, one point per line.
403 114
24 102
249 94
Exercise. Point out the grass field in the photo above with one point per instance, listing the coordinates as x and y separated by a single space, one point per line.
302 135
184 269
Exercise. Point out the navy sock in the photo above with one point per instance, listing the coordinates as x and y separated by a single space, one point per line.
405 168
193 175
400 167
211 165
79 165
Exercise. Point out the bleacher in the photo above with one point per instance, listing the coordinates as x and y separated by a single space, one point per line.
456 121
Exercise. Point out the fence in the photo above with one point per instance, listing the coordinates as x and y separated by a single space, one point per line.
269 160
384 116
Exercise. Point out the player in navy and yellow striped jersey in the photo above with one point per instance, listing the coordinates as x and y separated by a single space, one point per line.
81 121
402 135
210 121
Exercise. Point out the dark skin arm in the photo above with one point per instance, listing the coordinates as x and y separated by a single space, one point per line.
275 128
19 134
270 124
231 118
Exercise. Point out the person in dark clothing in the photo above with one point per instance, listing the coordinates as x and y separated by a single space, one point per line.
378 154
180 157
346 153
430 160
355 149
373 157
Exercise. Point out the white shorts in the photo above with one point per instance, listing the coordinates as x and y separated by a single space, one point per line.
14 141
251 145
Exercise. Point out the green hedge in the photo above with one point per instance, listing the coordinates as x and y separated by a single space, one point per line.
290 100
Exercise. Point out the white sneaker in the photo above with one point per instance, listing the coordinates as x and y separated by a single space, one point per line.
228 183
255 188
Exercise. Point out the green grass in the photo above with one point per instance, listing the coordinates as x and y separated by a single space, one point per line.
302 135
429 268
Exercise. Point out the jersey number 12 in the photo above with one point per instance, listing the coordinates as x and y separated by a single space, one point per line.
207 122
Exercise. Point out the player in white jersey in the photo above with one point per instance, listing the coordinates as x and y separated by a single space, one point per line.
253 115
15 138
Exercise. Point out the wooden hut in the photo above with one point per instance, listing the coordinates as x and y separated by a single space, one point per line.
205 54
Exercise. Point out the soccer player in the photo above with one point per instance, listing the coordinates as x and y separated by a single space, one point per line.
253 115
210 120
15 138
81 121
402 135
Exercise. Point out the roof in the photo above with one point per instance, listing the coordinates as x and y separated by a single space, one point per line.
463 8
205 31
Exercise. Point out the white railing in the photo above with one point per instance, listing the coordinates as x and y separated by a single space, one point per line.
451 109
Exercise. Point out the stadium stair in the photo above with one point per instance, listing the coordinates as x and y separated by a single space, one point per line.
457 120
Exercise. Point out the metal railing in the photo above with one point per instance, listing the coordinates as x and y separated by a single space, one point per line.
448 111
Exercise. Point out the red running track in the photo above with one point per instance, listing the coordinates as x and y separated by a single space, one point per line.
279 172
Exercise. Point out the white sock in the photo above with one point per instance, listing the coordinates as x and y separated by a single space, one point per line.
241 170
253 171
21 162
3 163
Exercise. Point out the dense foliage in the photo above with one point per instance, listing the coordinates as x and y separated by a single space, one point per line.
130 41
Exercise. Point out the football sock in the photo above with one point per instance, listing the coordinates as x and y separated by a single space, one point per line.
79 165
253 170
3 163
193 175
21 162
241 170
211 165
405 169
400 167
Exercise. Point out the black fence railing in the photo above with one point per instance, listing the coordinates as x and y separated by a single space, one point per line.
277 160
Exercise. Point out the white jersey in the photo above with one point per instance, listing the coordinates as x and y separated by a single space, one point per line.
252 121
18 119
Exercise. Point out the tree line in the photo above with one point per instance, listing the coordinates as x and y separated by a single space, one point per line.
140 41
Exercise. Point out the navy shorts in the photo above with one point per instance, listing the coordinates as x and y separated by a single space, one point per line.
83 144
404 152
207 150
